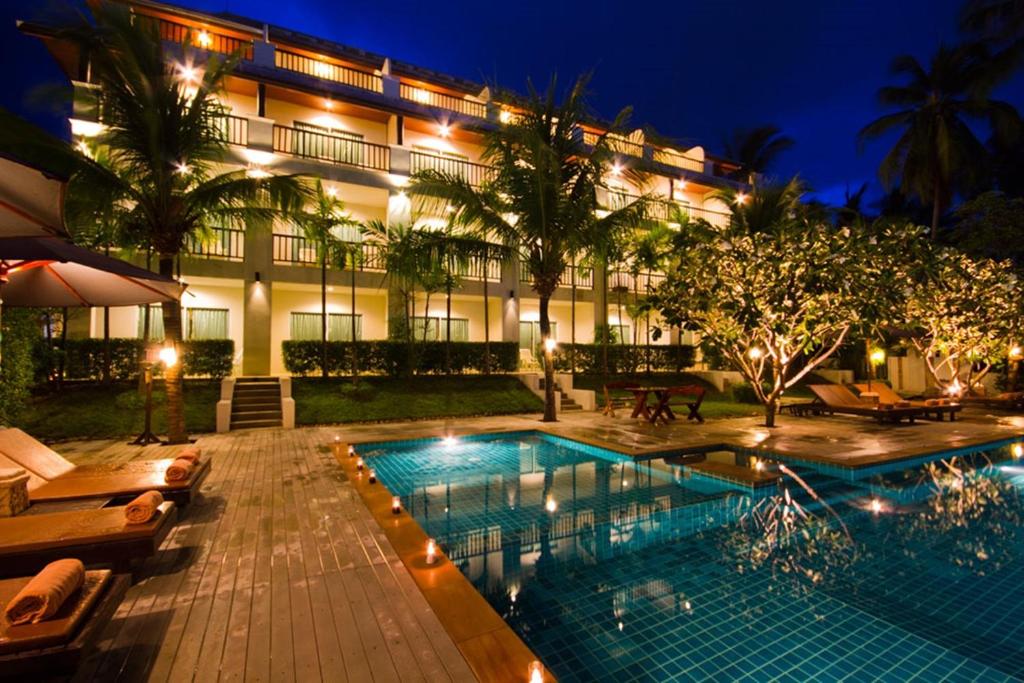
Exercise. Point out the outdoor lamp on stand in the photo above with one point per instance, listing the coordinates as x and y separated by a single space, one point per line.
876 357
1015 356
167 355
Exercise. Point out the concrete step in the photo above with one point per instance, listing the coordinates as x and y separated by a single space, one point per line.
252 379
247 389
253 424
255 415
238 406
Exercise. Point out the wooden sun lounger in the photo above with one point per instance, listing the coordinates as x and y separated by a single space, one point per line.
54 478
56 646
29 542
887 395
835 399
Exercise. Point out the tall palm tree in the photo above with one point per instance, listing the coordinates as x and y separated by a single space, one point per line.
757 149
542 200
349 256
320 222
999 24
937 152
399 247
164 145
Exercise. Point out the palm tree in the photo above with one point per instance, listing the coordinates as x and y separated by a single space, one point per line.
320 223
542 200
998 23
400 251
164 147
757 149
937 152
648 250
350 255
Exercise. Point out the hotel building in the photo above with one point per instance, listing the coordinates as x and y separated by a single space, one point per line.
364 123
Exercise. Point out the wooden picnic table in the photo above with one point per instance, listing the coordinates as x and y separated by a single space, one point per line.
662 410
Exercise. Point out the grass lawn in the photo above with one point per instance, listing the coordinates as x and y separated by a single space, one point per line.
335 400
97 412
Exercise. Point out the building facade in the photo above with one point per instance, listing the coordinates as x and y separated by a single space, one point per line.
364 123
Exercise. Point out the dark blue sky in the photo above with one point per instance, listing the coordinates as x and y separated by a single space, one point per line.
693 69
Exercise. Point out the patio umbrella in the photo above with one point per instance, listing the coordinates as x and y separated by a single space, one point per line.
31 200
47 271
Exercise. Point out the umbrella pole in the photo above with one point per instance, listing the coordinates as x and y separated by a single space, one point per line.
147 436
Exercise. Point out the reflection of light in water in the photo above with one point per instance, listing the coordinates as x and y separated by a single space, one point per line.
513 593
1017 450
450 441
621 626
876 505
551 505
760 437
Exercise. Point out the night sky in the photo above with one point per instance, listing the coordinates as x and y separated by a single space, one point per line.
691 69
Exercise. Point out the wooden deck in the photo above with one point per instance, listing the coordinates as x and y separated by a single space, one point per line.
277 573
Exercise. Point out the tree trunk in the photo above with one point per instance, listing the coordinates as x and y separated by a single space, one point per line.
145 332
936 208
487 322
769 412
106 345
572 322
550 414
323 313
448 316
176 432
63 346
355 350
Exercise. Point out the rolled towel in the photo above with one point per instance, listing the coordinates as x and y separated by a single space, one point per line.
143 508
902 404
885 406
192 453
179 470
44 594
932 402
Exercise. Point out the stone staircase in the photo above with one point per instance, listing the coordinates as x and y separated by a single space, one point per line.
256 402
566 403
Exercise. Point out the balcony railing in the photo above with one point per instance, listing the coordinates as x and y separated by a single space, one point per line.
234 130
335 149
474 174
616 144
474 269
203 38
436 99
625 281
584 276
226 244
327 71
677 160
296 249
665 210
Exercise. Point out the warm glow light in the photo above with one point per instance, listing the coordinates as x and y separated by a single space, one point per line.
759 465
755 353
420 95
431 551
1016 352
168 356
396 505
878 356
1017 450
550 344
359 463
204 39
351 450
258 157
741 198
86 129
450 441
181 168
955 388
505 116
257 173
876 505
322 69
328 104
187 73
551 505
373 476
681 185
444 130
616 169
535 674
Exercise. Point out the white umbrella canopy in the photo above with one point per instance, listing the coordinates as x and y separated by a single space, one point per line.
31 201
47 271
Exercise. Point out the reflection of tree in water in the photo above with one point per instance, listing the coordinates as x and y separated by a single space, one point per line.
793 533
973 510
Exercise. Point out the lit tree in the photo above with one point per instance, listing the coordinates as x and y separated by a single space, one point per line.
778 299
965 318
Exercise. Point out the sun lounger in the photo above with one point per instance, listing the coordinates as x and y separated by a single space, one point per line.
835 399
29 542
929 407
54 478
56 646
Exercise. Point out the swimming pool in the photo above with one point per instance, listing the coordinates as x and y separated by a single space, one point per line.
615 570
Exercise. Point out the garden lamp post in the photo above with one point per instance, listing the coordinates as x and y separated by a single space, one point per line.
875 359
167 355
1015 356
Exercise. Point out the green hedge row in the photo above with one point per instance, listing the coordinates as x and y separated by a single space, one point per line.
83 358
392 358
624 358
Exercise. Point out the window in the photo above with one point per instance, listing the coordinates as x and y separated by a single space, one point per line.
620 334
306 326
529 333
206 323
320 142
435 329
440 153
156 323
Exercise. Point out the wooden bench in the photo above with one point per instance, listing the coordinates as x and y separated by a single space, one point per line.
617 395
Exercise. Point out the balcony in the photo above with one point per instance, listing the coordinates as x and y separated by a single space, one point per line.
625 281
335 149
234 130
225 244
665 210
433 98
616 144
297 250
474 270
677 160
328 71
474 174
202 38
584 276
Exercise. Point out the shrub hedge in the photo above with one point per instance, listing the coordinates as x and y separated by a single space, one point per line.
394 358
624 358
83 358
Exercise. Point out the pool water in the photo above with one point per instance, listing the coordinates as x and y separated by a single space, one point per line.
615 570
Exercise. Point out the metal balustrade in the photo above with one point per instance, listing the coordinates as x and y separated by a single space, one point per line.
475 174
328 71
335 149
221 243
433 98
584 276
203 38
298 250
234 130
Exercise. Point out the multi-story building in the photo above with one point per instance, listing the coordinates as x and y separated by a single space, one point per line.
364 123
